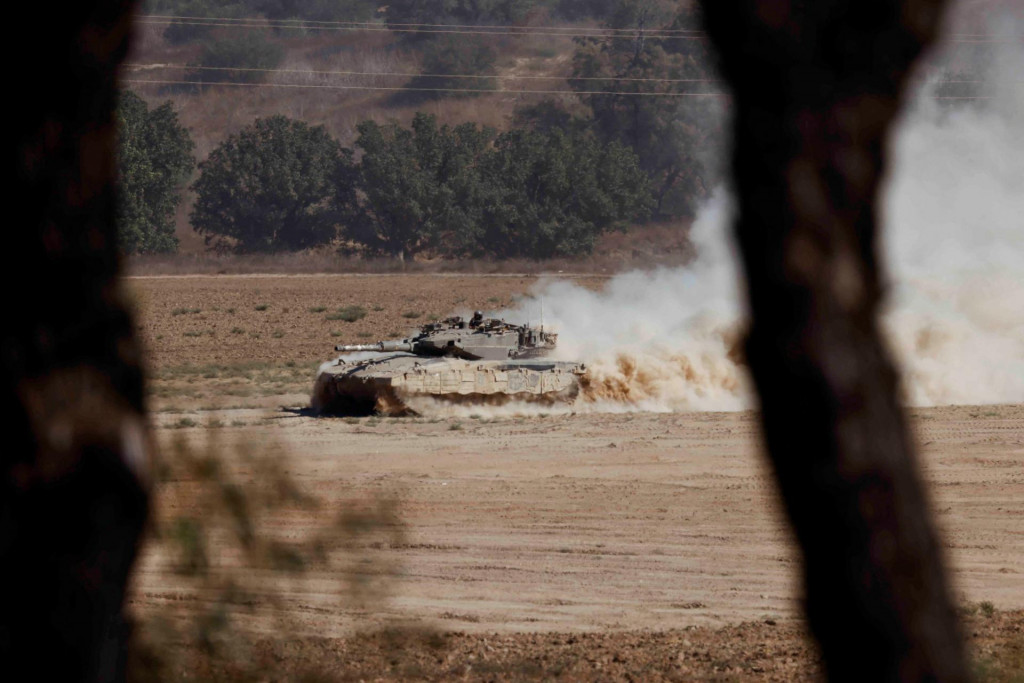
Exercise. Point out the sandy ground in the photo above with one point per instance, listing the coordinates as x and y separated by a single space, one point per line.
617 521
517 532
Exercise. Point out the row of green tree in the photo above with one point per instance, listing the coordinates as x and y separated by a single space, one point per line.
155 160
281 184
656 94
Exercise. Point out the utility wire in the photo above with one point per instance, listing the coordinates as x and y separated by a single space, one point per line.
402 88
269 24
505 27
393 74
470 29
396 74
134 81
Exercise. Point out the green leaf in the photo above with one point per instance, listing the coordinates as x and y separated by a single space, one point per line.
154 162
279 184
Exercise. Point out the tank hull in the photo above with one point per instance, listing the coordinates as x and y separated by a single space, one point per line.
384 384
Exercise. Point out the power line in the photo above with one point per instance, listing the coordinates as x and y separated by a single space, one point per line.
397 74
259 23
393 74
402 88
465 90
505 27
472 29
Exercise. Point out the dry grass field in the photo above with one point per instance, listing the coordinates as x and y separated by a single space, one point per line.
631 546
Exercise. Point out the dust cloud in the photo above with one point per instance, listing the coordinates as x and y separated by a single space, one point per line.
955 233
954 244
662 340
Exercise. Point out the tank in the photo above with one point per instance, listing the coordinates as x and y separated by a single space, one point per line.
481 360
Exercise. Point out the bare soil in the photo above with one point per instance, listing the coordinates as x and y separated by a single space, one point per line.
763 651
641 246
209 319
631 546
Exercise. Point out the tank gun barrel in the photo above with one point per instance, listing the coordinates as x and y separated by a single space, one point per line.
382 346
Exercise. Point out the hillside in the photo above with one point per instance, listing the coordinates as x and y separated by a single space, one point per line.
307 85
624 70
215 112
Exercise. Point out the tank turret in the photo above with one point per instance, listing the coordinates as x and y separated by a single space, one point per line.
477 339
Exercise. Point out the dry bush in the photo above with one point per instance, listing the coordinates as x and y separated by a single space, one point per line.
349 314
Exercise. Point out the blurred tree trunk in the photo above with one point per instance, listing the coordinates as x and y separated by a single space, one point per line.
74 462
817 86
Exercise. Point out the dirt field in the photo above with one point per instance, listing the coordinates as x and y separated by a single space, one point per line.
234 319
598 546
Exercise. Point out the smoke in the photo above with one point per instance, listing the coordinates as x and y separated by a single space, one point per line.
954 240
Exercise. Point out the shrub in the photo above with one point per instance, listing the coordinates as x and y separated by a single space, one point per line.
461 55
676 139
279 184
401 12
349 314
242 58
576 10
552 194
154 162
419 183
352 313
181 31
318 10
